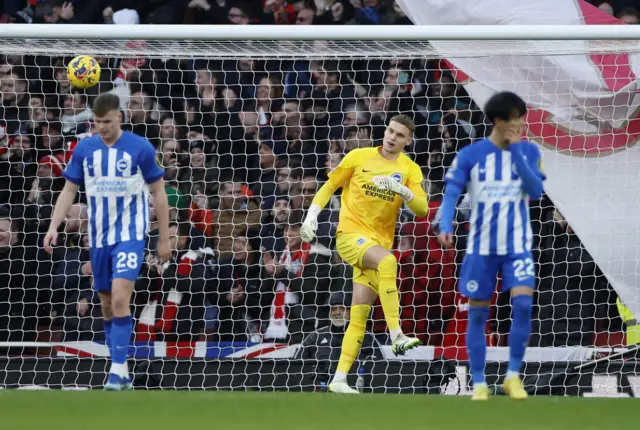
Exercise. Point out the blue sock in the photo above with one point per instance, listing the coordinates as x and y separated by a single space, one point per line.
520 331
120 336
476 342
107 333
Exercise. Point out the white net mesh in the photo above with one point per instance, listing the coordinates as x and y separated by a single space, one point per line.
246 133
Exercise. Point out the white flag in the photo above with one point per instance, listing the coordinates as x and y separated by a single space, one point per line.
584 109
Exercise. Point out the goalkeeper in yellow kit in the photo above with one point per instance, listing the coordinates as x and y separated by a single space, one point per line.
376 182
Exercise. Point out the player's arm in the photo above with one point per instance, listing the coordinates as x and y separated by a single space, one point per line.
161 202
456 181
65 200
419 202
528 168
74 173
153 176
337 178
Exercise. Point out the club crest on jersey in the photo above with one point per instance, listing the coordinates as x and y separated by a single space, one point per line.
472 286
397 177
123 164
360 241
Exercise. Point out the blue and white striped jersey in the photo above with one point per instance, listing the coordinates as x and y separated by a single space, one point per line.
499 223
115 180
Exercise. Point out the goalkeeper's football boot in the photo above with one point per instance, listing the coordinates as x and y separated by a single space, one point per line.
404 343
117 383
513 388
480 392
341 387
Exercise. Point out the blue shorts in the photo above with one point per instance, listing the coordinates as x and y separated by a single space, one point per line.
122 260
478 275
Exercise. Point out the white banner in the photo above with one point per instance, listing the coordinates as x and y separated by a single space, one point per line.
583 108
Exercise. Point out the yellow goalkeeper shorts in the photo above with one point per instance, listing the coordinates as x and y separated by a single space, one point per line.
351 247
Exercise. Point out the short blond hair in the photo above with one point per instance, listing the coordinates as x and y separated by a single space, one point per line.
406 121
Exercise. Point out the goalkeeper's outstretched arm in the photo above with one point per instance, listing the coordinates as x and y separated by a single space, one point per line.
338 177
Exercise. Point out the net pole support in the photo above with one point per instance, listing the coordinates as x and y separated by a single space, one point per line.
322 32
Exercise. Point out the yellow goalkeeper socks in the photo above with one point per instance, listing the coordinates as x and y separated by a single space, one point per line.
353 337
388 291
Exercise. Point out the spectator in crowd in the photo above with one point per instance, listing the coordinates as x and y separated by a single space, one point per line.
37 113
287 183
572 292
629 15
323 345
139 112
236 212
182 297
76 113
18 167
20 284
73 300
14 109
49 139
242 290
302 273
606 7
273 224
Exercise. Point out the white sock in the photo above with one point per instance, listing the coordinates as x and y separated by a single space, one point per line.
479 384
395 333
512 374
339 376
120 369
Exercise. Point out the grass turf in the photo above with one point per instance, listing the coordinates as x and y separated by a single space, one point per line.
155 410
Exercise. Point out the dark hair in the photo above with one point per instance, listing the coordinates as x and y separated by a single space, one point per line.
628 11
184 228
404 120
331 67
295 218
505 106
53 125
19 72
294 171
105 103
82 94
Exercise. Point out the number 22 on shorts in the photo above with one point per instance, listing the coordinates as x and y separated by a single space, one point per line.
523 269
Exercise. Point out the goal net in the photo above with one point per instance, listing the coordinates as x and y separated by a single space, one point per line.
247 132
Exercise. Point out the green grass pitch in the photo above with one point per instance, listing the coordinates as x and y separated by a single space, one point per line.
177 410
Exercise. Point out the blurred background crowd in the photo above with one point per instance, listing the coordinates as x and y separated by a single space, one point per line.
245 144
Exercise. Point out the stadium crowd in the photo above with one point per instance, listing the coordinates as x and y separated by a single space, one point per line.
245 145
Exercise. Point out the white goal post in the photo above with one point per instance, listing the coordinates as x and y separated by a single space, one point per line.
247 120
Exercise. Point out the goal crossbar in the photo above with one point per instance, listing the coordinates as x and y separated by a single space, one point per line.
325 32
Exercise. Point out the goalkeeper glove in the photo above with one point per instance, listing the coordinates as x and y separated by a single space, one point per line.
310 224
388 183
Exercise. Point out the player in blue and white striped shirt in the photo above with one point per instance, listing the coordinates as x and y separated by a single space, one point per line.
118 170
500 174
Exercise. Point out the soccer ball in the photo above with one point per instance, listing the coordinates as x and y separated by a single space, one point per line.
83 71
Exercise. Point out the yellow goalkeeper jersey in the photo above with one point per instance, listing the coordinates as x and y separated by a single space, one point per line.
365 209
